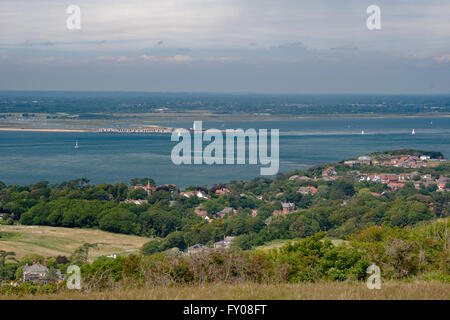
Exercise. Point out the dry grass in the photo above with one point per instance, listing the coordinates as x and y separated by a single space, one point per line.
308 291
52 241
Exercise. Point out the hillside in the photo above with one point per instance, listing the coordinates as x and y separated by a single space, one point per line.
53 241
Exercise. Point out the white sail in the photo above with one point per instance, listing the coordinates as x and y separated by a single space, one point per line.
413 132
76 145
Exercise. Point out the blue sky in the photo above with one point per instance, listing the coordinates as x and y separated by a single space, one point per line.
283 46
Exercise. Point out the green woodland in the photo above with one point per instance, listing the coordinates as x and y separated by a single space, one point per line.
405 231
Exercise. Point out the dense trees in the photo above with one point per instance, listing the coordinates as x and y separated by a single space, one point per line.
340 207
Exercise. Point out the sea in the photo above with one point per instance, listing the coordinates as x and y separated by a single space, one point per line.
29 157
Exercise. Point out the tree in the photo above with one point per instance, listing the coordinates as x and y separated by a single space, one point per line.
151 247
137 194
175 240
80 255
141 181
5 255
119 220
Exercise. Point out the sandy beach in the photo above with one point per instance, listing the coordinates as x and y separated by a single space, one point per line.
46 130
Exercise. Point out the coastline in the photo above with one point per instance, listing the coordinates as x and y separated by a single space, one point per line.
46 130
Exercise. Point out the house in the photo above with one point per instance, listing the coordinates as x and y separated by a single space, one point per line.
200 212
351 163
254 212
223 191
329 172
224 244
395 185
197 248
199 194
375 194
277 212
365 160
288 207
136 202
307 190
35 272
224 211
147 187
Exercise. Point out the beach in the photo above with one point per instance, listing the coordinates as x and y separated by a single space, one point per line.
46 130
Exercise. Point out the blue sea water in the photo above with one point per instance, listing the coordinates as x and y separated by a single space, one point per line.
28 157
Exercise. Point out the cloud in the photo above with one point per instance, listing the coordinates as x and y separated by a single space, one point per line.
223 59
149 58
179 58
113 58
294 46
443 58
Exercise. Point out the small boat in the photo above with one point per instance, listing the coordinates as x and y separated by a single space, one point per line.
76 145
413 132
362 132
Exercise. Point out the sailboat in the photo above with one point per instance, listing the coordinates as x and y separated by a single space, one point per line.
76 145
413 132
362 132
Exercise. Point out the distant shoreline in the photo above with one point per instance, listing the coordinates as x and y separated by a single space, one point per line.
46 130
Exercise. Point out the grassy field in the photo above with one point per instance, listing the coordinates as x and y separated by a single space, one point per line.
306 291
52 241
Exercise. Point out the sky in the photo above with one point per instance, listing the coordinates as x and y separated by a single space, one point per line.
261 46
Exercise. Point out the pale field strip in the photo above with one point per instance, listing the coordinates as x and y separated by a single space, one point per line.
52 241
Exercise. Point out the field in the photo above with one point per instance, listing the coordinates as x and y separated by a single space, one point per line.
416 290
52 241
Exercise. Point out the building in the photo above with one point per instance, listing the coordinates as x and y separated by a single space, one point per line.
223 191
329 172
365 160
136 202
35 272
288 207
201 212
224 244
351 163
227 210
147 187
197 248
199 194
307 190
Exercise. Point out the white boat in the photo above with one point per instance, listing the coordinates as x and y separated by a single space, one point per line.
362 132
413 132
76 145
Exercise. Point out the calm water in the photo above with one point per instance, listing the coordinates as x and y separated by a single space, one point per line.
27 157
